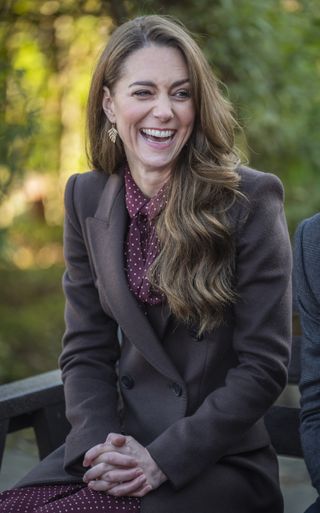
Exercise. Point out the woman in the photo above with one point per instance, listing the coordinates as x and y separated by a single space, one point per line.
183 254
307 280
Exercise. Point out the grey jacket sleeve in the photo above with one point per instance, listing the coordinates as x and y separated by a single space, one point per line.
307 280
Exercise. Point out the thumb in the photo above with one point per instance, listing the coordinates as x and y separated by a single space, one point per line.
116 439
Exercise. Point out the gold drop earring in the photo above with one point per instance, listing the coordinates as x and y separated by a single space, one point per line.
113 133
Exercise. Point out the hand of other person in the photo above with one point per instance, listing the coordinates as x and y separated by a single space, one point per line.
121 466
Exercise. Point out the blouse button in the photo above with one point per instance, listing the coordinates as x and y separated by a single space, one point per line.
194 334
127 382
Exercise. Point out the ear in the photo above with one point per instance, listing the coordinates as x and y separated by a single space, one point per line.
107 105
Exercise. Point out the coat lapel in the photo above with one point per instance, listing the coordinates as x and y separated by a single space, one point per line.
106 233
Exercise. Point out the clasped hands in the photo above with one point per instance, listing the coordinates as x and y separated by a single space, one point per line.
121 466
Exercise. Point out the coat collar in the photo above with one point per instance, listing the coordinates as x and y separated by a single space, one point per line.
106 234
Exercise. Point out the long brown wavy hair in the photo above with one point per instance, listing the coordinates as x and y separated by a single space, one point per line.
195 266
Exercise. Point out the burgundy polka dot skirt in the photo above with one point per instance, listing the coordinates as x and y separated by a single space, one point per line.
64 498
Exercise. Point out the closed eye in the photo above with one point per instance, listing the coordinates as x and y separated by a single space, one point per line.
142 93
183 93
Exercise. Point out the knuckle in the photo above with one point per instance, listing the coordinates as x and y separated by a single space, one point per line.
109 458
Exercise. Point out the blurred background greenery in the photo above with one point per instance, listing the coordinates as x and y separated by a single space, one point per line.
266 53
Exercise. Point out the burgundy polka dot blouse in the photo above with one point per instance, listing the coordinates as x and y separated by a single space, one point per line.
142 245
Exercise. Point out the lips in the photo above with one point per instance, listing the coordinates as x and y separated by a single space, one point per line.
157 135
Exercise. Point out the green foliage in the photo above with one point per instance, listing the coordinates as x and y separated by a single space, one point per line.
46 58
31 312
266 54
17 120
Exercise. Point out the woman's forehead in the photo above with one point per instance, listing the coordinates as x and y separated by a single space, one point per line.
154 62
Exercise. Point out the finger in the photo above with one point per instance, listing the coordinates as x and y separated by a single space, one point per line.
99 485
146 488
99 470
114 476
100 449
121 476
92 454
110 461
127 488
116 459
96 472
116 439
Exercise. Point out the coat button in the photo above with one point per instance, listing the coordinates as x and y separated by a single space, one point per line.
127 382
176 388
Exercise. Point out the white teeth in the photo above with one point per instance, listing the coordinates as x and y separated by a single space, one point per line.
157 133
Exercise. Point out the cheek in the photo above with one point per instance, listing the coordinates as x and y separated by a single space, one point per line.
188 118
128 114
189 126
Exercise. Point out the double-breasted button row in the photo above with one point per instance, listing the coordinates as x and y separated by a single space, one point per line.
127 382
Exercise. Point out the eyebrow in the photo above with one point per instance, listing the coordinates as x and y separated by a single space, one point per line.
152 84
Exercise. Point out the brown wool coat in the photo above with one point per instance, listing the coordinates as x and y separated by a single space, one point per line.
195 403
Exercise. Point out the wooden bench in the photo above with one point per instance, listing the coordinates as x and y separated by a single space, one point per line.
38 402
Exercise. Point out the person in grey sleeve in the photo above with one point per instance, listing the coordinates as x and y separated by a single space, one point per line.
307 279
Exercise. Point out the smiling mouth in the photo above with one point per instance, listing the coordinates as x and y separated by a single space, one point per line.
154 135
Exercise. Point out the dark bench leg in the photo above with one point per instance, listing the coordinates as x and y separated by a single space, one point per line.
51 428
4 426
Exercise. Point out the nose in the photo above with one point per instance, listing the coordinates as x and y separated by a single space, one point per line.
163 108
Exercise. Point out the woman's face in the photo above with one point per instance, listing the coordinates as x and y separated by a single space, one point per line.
152 107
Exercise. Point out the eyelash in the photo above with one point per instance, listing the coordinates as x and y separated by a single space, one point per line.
180 94
184 93
143 92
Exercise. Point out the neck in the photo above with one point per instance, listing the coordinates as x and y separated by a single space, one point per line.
150 182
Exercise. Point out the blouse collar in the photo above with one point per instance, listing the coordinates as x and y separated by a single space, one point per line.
137 202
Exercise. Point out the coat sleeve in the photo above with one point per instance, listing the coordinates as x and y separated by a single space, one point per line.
90 345
307 281
261 340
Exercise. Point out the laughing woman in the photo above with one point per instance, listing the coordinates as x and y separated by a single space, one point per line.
177 298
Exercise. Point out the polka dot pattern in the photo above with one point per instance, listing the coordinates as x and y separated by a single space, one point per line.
64 498
142 245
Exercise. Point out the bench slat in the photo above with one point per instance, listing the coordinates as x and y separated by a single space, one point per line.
29 394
